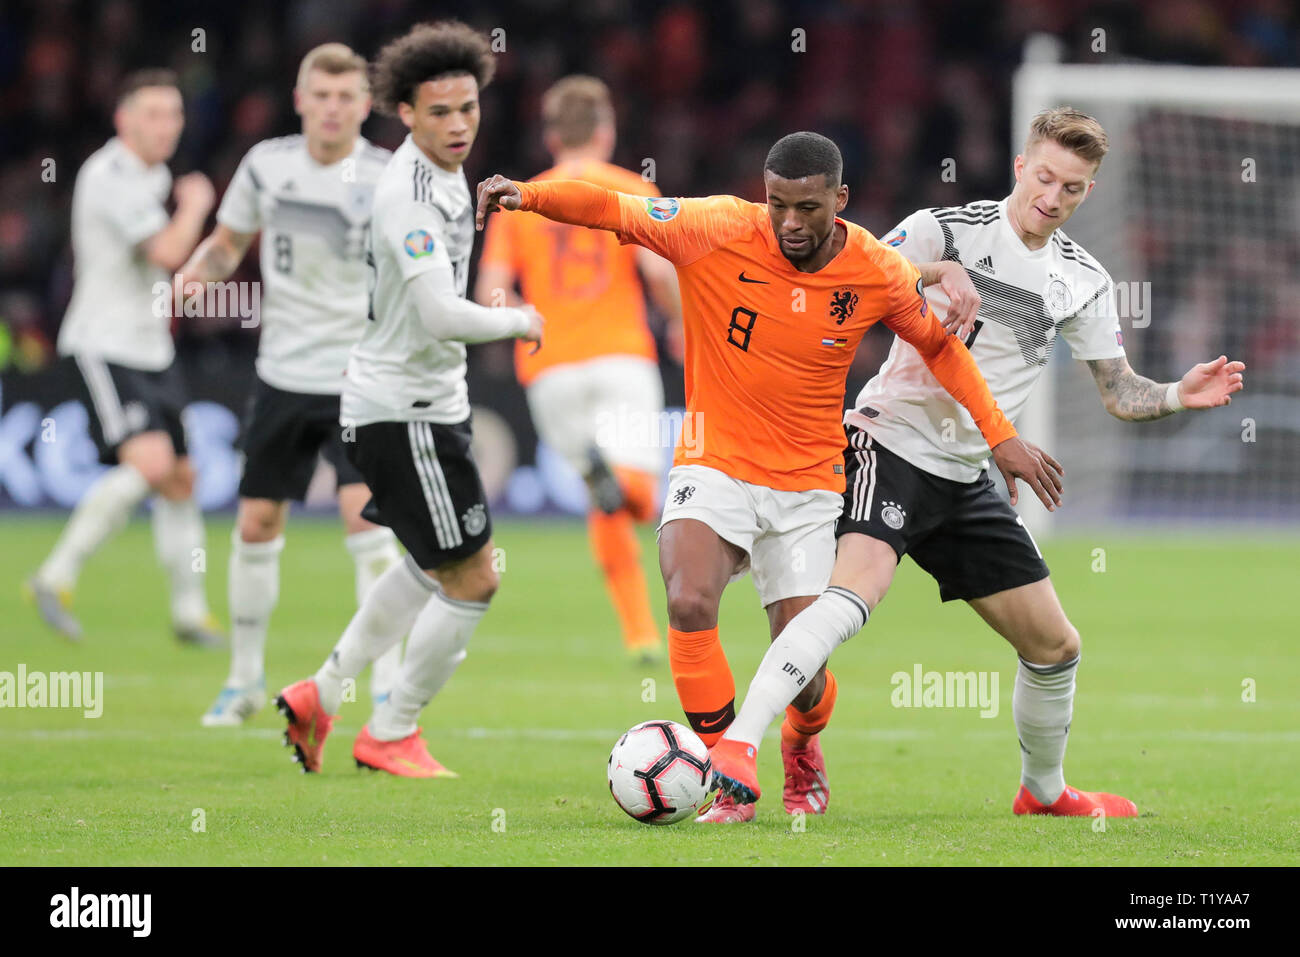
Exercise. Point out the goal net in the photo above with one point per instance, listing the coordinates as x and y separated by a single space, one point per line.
1196 215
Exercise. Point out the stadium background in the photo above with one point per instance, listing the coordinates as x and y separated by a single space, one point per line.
702 90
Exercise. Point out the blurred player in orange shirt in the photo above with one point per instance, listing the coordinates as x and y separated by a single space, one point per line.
775 299
597 380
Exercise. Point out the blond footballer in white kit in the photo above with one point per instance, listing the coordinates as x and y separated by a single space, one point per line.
117 334
1013 283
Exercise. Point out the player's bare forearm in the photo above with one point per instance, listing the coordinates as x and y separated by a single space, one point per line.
1134 398
170 246
1126 394
217 256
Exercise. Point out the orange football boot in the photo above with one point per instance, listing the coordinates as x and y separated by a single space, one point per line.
406 757
1075 803
309 725
735 770
806 787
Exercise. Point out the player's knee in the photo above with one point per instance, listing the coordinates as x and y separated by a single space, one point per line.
1071 643
473 580
259 522
154 462
690 607
179 483
1054 646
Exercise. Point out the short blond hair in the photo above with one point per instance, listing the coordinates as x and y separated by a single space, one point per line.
574 106
333 58
1078 132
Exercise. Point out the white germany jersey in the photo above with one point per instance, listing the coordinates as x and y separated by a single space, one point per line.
313 221
1028 297
116 313
423 220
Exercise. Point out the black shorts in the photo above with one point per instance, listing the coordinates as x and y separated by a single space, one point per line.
964 534
122 402
425 486
284 432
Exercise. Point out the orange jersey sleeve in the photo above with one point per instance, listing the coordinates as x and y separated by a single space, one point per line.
944 354
680 230
583 281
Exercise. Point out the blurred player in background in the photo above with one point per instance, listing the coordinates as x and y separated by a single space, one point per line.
598 372
775 299
117 332
406 412
914 489
310 194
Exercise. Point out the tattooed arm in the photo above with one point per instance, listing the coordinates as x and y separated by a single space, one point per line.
217 256
1135 398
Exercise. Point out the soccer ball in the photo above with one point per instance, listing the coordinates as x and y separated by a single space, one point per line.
659 772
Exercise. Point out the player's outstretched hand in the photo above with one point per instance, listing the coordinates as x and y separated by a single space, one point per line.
536 326
1208 385
963 300
1017 459
495 192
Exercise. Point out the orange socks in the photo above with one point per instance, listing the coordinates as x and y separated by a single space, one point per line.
799 726
703 679
614 543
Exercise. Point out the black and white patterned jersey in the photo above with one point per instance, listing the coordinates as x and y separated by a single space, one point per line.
1029 298
313 219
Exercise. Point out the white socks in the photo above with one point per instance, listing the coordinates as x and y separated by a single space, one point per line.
254 591
795 657
102 511
373 552
1042 705
436 647
178 537
386 614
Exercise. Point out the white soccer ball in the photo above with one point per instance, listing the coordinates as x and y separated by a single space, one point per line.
659 772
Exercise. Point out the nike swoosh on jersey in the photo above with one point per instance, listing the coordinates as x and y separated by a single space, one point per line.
743 278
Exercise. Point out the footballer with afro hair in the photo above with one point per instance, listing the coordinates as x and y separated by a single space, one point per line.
430 79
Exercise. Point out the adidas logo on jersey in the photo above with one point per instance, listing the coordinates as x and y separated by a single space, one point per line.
986 264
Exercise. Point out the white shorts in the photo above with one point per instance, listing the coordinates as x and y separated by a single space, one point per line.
614 403
788 537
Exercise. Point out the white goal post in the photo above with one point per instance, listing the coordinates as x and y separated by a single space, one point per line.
1196 216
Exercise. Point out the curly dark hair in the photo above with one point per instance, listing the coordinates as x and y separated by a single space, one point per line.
429 50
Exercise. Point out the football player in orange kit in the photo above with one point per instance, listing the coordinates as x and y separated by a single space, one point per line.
775 299
597 381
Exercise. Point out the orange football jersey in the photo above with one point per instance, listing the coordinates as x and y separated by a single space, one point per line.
768 347
583 281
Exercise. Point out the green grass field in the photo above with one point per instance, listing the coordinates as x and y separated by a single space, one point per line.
1172 628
